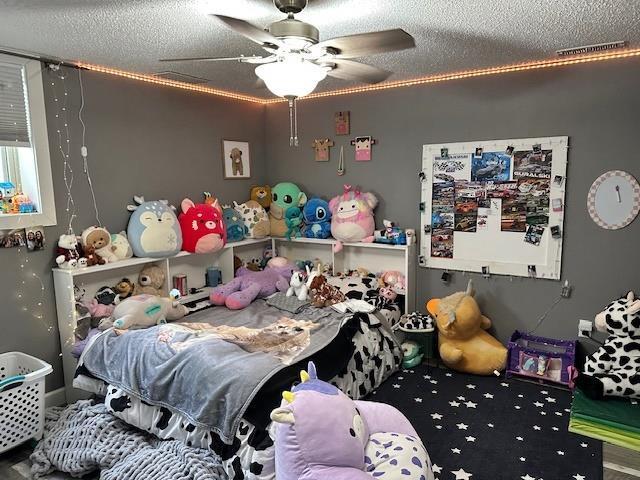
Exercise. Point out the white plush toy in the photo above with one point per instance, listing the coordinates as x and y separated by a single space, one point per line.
298 287
120 245
142 311
100 239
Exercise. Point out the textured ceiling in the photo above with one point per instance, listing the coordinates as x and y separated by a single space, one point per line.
450 34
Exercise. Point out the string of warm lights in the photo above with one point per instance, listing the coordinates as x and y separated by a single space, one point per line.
444 77
170 83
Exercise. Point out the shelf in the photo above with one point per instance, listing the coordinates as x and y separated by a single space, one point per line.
204 294
332 241
130 262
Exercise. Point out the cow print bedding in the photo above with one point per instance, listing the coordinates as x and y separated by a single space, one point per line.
251 456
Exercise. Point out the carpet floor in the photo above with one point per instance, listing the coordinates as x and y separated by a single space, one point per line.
489 428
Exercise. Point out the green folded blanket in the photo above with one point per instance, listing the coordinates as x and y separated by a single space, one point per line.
615 421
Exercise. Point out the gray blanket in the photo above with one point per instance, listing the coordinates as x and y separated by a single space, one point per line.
209 366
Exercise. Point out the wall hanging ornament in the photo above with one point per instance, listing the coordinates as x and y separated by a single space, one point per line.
363 148
342 123
341 162
321 148
614 200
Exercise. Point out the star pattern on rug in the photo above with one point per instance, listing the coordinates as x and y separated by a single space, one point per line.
461 474
492 416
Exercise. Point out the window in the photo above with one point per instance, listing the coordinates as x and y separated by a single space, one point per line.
26 188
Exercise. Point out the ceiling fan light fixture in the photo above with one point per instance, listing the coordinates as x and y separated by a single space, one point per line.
291 77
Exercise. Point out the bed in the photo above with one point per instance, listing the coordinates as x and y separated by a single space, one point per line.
358 359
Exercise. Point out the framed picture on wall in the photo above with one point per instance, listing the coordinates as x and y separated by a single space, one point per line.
236 159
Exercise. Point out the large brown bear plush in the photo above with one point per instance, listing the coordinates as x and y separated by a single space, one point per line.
463 343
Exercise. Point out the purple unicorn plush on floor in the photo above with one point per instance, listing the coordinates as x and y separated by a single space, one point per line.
248 285
321 434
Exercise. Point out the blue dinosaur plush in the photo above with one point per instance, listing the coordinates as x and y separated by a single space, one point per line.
317 219
234 223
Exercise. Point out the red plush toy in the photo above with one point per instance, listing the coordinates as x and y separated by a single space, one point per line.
203 229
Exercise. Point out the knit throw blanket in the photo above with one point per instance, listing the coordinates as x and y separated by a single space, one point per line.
84 437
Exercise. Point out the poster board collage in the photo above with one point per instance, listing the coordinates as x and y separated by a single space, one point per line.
494 206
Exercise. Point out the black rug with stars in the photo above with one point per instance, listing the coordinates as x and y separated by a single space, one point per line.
488 428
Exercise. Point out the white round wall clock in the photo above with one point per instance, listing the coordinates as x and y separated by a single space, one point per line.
614 199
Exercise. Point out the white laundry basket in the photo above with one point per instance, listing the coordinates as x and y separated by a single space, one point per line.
21 398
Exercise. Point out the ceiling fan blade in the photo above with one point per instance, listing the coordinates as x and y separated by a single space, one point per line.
241 58
253 33
360 72
361 44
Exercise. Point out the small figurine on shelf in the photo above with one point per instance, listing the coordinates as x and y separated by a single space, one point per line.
390 234
293 221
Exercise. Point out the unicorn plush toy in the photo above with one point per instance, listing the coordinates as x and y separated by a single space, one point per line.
352 217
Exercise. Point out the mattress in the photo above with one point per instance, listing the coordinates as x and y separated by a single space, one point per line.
616 421
375 355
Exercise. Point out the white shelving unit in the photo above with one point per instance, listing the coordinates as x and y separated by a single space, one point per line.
373 256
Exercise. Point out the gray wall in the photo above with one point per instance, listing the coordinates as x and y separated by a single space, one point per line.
596 106
142 139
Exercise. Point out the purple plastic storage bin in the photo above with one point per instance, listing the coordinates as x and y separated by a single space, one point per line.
561 355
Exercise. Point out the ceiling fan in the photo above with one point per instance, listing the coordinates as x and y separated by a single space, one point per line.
297 60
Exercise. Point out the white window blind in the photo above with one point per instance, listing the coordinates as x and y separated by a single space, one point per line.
14 116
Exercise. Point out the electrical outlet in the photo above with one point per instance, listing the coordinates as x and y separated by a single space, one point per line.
566 290
585 327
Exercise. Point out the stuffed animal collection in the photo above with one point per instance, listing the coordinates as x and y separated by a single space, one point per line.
463 343
262 195
293 221
255 219
614 369
323 294
363 440
298 287
153 229
352 217
317 219
150 281
142 311
283 196
248 285
234 224
202 226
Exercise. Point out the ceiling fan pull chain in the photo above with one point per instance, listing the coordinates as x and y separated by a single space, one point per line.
295 122
291 122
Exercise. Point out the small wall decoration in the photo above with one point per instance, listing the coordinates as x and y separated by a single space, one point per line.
13 238
236 160
321 147
363 148
35 238
342 123
614 200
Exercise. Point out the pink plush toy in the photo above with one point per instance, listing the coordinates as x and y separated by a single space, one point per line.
352 217
248 285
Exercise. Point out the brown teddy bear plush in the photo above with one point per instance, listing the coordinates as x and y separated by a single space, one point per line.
92 257
99 239
463 343
262 195
150 281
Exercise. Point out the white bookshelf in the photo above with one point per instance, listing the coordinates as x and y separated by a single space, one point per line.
373 256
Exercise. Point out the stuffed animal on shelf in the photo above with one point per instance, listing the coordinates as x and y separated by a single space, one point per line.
202 226
91 257
352 217
317 219
67 254
100 240
363 440
298 287
293 221
283 196
262 195
142 311
234 223
463 343
394 279
322 293
255 218
150 281
124 288
121 248
153 229
614 369
248 285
